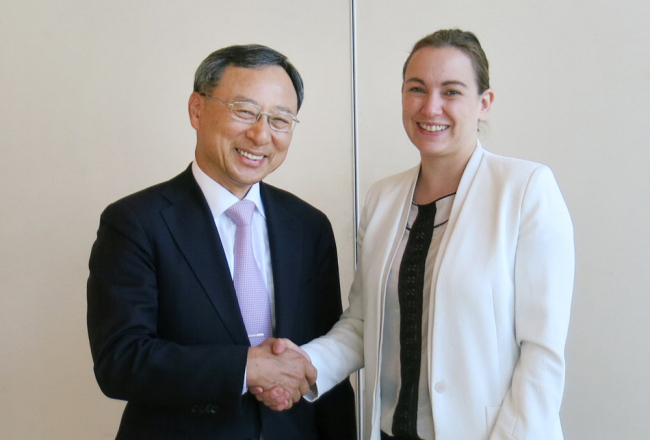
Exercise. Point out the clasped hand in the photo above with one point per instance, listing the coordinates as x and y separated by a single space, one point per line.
279 373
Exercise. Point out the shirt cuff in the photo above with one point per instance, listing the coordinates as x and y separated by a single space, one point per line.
245 388
312 395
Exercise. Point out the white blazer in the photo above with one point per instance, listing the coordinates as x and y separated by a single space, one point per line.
498 323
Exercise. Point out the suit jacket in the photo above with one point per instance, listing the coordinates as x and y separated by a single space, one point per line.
165 329
503 280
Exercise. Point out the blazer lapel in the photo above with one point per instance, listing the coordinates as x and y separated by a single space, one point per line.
285 238
191 224
459 200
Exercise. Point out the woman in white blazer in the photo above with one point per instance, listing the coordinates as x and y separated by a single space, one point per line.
498 277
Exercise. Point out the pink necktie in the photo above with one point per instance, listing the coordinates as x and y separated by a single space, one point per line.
252 293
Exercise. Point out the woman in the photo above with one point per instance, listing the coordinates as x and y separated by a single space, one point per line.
460 305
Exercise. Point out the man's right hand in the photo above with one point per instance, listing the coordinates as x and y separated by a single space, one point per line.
277 376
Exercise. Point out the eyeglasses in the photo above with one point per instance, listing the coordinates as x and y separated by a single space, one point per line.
250 113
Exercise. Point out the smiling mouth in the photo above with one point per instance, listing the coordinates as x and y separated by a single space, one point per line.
432 127
249 155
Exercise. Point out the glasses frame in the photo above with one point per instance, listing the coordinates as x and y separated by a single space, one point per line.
259 114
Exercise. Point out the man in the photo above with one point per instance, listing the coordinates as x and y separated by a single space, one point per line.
182 291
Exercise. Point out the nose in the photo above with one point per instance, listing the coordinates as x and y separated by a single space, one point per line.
260 131
432 106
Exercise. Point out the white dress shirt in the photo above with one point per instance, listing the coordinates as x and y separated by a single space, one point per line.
219 200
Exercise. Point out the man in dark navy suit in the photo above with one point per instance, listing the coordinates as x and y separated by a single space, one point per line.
170 331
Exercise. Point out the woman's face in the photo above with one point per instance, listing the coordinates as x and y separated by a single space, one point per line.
441 106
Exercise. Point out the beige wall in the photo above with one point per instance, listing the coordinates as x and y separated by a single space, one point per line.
93 102
93 106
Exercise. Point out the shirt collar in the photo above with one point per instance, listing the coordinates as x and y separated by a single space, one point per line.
219 198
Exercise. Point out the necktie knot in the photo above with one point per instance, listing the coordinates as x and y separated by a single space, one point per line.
241 212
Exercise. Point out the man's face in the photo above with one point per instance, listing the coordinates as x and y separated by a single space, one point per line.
234 153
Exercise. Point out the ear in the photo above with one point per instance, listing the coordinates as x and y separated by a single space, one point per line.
485 104
195 108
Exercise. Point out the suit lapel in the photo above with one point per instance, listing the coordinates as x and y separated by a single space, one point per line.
191 224
285 238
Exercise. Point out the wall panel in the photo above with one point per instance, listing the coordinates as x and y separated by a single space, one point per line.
93 106
571 86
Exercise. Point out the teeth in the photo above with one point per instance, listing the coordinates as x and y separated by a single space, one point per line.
433 127
250 156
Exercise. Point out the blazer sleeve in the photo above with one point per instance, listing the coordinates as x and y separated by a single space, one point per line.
543 277
131 360
335 411
340 352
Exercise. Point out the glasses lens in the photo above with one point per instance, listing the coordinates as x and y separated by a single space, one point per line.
250 113
281 121
245 111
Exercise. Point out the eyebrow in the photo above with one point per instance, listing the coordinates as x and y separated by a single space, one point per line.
252 101
417 80
446 83
454 83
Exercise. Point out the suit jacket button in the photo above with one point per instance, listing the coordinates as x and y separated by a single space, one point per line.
210 409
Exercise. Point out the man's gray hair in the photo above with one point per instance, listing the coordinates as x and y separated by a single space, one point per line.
250 56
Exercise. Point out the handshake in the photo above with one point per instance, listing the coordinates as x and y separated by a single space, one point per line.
279 373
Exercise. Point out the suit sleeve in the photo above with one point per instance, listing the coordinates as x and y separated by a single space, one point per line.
544 270
131 361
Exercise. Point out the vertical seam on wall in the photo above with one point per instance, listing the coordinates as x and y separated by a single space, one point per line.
355 188
355 131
